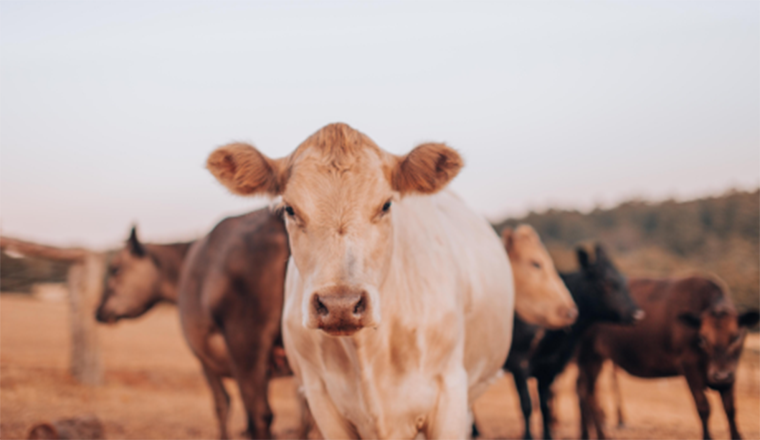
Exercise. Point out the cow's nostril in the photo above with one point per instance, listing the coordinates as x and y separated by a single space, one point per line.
361 306
320 307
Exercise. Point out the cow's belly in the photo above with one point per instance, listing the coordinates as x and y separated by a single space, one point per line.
647 365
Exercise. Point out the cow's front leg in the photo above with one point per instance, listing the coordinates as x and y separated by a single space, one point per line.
330 422
727 395
697 386
450 420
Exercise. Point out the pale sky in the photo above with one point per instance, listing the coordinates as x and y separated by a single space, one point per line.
109 109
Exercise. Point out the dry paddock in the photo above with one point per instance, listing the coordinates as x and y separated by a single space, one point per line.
154 389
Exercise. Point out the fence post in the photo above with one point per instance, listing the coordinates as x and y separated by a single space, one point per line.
85 281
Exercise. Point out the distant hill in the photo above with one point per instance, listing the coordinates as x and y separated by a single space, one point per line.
716 234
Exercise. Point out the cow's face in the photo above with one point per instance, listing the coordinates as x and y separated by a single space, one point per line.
338 189
131 286
609 295
339 220
720 337
540 295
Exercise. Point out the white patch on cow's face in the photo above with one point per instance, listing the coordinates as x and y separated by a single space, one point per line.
341 236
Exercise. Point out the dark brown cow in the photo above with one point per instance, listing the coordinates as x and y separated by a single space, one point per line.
230 303
691 329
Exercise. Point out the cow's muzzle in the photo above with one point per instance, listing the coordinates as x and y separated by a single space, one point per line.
633 316
340 311
720 378
105 317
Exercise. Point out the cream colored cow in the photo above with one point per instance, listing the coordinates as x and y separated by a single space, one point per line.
398 298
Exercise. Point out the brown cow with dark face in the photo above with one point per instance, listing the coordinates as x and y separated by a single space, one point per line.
691 329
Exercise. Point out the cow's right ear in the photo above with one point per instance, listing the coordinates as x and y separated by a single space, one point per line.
135 247
426 169
508 238
247 172
748 319
690 320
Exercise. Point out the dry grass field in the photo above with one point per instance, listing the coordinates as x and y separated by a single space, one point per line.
154 389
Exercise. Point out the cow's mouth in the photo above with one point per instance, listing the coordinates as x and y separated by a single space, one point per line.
720 386
111 320
341 330
106 318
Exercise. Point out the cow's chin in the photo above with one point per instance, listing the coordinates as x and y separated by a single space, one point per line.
109 319
720 386
341 330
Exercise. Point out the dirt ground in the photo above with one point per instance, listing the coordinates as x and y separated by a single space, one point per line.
154 389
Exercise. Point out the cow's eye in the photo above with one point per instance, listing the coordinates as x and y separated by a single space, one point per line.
536 264
702 341
113 270
387 206
289 210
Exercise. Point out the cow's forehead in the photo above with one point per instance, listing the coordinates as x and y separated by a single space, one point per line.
314 175
337 184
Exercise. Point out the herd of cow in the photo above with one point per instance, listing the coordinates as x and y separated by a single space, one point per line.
395 306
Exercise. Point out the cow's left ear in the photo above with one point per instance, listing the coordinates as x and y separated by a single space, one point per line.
134 245
426 169
690 320
748 319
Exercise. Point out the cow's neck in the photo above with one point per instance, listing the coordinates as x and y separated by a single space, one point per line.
169 259
363 349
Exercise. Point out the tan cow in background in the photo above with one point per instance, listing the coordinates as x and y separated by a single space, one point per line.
398 299
541 297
